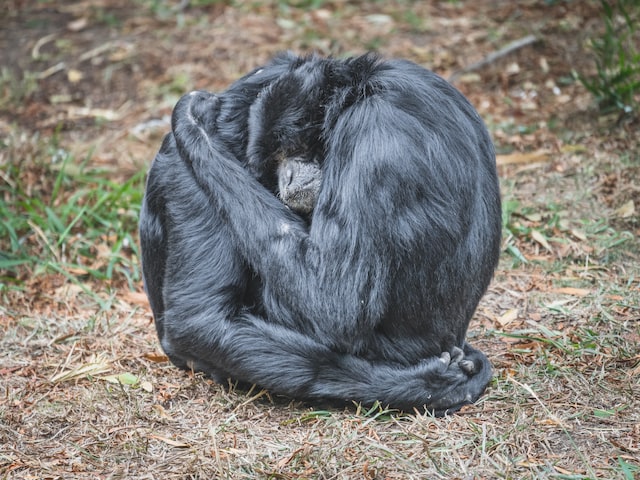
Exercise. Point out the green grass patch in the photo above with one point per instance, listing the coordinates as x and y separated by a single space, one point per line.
61 215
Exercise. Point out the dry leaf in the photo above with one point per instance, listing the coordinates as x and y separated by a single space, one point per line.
77 25
156 357
576 292
80 112
565 471
538 237
529 464
469 78
136 298
74 76
513 69
162 412
573 149
94 368
626 210
544 65
579 234
68 291
522 158
533 217
508 317
168 441
549 421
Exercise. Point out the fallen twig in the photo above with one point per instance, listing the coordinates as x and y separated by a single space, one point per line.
493 56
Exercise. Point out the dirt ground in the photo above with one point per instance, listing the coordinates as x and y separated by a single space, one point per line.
84 389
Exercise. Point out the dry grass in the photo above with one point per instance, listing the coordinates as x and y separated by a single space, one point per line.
561 404
84 390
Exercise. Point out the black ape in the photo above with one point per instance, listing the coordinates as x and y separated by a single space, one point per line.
366 301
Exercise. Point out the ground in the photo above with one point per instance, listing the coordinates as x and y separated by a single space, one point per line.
86 89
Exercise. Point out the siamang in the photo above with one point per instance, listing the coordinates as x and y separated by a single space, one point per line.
362 287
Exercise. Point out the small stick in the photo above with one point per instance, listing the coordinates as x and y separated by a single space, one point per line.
493 56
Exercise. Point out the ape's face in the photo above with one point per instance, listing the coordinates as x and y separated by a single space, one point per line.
299 181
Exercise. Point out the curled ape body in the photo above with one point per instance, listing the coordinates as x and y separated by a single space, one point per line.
363 300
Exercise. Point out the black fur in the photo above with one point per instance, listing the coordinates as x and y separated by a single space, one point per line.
364 302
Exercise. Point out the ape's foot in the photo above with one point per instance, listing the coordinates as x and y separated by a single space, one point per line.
456 358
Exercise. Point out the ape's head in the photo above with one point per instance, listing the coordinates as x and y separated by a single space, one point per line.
285 148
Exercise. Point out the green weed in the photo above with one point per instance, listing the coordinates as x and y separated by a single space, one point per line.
58 215
617 81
